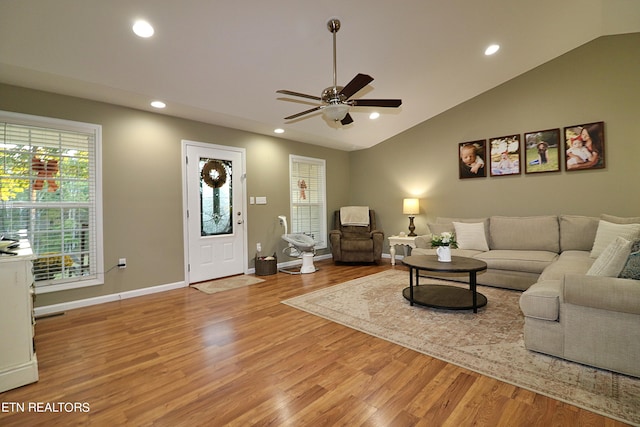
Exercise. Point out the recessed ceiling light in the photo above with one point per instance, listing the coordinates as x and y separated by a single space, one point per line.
492 49
158 104
279 130
143 29
374 115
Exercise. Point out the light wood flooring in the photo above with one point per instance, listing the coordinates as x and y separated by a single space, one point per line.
241 358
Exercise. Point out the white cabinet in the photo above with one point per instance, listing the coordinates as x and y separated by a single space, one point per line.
18 363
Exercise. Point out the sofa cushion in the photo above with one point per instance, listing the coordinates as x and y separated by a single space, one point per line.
469 253
542 300
471 236
631 269
612 259
440 228
568 262
577 233
536 233
525 261
607 233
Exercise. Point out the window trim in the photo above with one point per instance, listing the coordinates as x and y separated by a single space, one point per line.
323 242
70 125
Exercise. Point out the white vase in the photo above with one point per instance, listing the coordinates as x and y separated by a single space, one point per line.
444 253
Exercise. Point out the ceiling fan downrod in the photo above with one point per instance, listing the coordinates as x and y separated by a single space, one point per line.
334 26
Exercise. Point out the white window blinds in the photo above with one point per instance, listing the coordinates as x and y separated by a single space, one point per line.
308 198
50 194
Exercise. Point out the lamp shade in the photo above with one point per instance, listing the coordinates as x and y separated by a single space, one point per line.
410 207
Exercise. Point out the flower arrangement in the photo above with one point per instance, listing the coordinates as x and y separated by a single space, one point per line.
444 239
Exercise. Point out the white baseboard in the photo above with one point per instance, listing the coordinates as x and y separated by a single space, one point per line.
58 308
399 257
293 263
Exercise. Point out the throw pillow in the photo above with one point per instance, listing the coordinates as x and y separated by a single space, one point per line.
620 219
471 236
607 233
631 269
612 259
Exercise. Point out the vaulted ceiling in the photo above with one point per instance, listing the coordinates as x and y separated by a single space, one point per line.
221 62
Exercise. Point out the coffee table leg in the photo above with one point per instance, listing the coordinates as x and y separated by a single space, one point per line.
472 284
411 286
417 270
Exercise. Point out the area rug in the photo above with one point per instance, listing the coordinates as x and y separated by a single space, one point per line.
489 342
224 284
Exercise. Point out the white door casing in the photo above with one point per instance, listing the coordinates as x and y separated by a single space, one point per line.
221 252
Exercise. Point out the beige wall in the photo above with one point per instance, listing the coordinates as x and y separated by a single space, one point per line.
596 82
142 185
142 164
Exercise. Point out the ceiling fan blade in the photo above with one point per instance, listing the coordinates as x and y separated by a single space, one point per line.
302 95
347 119
357 83
311 110
376 102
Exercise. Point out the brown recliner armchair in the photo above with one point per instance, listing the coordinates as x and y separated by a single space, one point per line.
356 243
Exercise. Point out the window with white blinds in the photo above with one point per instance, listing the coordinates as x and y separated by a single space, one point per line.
50 194
308 198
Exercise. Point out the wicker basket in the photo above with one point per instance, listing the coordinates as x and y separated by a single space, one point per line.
266 266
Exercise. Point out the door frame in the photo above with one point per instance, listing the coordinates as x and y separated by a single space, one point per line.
185 205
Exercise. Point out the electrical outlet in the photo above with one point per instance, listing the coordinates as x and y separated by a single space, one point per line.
122 263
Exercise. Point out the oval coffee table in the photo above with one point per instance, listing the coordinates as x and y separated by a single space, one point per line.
444 296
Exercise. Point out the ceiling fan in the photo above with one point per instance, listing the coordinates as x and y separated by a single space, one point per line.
336 100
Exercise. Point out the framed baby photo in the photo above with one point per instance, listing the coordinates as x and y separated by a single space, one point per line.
584 146
504 155
542 151
471 159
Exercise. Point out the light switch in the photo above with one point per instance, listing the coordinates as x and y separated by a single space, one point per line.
261 200
252 200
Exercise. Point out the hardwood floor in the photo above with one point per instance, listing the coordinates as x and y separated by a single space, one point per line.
240 358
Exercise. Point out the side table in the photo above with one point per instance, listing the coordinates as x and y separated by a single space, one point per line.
400 240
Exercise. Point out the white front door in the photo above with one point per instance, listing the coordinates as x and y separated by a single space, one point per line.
214 183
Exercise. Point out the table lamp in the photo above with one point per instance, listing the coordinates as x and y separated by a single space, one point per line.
411 207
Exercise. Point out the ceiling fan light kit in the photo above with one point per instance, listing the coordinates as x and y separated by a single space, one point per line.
335 112
335 99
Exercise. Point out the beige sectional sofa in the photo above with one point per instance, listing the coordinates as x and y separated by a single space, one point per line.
572 309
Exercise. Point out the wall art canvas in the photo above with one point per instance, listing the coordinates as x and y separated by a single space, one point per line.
542 151
505 155
584 146
471 159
